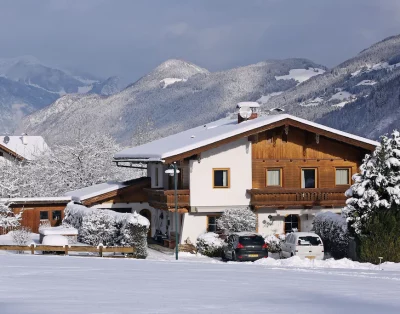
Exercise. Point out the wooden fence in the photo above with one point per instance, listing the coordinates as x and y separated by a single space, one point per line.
66 249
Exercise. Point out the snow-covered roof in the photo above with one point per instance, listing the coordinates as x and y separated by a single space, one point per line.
214 132
96 190
57 199
27 147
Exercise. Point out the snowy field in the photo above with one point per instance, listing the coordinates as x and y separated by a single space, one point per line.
64 284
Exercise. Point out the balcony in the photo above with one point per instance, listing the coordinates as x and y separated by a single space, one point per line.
280 197
165 199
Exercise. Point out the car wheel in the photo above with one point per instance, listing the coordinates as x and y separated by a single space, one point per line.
291 254
280 255
223 257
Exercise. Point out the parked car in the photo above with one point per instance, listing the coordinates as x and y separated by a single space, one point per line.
244 246
303 244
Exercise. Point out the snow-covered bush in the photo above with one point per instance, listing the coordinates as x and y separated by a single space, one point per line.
21 236
133 232
7 217
332 228
274 243
98 227
109 227
209 244
237 220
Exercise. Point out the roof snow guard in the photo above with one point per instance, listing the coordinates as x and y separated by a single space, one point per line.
193 141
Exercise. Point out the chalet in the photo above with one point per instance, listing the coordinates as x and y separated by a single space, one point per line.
21 148
285 168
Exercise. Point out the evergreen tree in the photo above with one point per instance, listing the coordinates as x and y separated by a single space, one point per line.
377 186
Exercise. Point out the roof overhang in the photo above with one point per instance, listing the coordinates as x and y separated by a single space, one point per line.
12 153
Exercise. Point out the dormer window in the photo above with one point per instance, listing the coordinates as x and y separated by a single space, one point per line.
221 178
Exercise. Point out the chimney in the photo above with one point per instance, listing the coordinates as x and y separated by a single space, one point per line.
24 138
248 110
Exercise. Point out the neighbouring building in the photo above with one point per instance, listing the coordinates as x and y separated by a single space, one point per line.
285 168
21 148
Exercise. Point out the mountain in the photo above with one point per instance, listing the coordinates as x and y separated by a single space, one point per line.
361 95
107 87
26 86
174 96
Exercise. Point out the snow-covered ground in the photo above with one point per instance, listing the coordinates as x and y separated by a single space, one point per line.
301 75
59 284
170 80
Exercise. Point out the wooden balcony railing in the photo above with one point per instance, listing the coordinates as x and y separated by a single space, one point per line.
165 199
275 197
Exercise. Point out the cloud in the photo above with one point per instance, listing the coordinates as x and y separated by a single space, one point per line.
129 38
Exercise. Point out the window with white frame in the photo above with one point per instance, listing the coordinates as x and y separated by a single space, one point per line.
274 177
342 176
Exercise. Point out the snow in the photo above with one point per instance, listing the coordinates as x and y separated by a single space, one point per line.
55 240
7 239
265 98
342 95
341 104
301 75
367 83
251 104
95 190
170 80
375 67
213 132
58 199
58 231
59 284
84 89
314 102
34 146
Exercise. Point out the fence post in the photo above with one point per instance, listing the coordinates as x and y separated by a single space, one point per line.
66 249
101 250
32 248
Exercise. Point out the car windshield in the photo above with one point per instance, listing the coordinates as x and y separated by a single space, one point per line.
252 240
309 240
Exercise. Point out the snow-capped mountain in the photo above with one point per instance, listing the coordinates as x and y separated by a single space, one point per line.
361 95
174 96
26 86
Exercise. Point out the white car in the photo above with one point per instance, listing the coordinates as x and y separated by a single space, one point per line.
303 244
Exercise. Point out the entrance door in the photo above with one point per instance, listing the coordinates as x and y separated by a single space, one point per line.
146 213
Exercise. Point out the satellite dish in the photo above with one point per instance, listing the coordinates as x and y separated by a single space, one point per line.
6 139
245 112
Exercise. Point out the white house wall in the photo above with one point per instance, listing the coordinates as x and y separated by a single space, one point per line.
193 226
237 157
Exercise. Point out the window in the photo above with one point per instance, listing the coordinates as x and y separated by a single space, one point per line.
274 177
221 178
212 224
308 178
342 176
56 214
44 215
292 223
1 154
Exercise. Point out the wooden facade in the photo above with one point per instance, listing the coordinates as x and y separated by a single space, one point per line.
291 149
165 199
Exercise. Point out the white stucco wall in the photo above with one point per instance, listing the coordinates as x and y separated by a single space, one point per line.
278 219
237 157
193 225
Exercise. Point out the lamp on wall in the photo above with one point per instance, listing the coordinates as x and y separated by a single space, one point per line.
173 171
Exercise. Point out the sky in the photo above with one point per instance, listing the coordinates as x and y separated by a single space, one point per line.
129 38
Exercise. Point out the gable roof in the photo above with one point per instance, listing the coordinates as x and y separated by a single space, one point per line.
33 147
191 141
96 190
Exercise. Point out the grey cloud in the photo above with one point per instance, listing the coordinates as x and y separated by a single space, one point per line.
129 38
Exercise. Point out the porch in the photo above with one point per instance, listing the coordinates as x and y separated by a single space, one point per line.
281 197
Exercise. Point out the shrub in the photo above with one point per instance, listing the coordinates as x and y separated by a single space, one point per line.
332 228
237 220
133 232
382 238
22 236
209 244
98 227
274 243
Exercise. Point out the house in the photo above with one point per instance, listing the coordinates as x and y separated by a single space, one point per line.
21 148
285 168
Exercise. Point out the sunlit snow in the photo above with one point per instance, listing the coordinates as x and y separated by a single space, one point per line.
301 75
170 80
